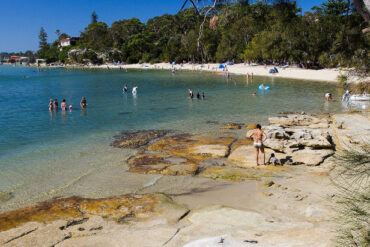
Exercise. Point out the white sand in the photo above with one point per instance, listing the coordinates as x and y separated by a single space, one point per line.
329 75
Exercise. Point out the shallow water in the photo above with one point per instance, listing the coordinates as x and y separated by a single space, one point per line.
42 151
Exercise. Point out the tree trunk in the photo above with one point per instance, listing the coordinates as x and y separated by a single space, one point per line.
363 8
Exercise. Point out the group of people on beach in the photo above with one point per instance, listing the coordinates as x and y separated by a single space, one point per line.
53 105
191 95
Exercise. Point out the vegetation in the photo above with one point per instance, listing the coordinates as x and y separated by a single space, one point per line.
354 198
263 32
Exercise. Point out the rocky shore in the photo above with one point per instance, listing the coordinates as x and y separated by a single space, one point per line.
204 190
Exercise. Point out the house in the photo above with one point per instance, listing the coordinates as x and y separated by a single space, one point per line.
68 41
65 42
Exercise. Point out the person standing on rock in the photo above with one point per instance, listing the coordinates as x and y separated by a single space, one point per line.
258 138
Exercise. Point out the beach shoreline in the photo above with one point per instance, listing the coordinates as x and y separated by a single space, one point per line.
325 75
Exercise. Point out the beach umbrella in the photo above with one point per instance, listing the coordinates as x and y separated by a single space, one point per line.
221 66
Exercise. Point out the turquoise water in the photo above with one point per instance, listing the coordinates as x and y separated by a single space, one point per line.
41 151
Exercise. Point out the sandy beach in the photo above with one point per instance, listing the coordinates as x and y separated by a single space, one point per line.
328 75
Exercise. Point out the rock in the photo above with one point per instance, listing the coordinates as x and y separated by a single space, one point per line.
300 197
234 174
276 186
136 139
311 157
232 126
221 241
244 156
216 150
268 183
6 196
251 126
276 132
195 147
267 194
277 145
121 209
321 125
242 142
352 132
167 164
316 213
295 119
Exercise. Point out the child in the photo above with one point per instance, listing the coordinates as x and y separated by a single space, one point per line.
273 160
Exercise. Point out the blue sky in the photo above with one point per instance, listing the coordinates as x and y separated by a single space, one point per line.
20 20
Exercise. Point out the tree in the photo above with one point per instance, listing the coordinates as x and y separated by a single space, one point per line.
94 17
42 38
363 8
57 32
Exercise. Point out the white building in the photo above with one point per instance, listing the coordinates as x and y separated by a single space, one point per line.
65 42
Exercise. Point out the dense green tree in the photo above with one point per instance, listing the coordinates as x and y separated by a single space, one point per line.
97 37
271 31
43 38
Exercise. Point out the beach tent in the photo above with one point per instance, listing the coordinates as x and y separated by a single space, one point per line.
231 63
221 66
272 71
173 63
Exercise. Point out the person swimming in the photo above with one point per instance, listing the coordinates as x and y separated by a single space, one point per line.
203 96
83 102
70 107
125 89
134 90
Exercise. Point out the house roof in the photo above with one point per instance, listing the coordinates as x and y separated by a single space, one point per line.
64 40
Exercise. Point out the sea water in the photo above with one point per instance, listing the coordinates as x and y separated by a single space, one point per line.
43 152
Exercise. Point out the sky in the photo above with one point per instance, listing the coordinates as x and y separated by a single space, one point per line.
21 20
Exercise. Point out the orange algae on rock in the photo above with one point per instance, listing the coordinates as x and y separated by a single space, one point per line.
234 174
115 208
159 163
192 146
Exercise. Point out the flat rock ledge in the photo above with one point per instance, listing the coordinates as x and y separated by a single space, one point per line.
295 139
52 222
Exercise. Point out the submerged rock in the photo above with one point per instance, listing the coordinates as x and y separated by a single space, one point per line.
296 119
232 126
6 196
136 139
166 164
